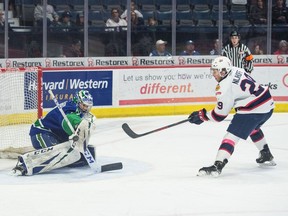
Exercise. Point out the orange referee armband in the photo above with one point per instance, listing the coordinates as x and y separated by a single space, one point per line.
249 57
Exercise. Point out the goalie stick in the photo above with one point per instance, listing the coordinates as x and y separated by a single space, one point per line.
87 155
134 135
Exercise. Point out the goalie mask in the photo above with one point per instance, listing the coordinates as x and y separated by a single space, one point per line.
84 100
223 65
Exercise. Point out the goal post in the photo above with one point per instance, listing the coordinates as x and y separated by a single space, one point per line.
21 103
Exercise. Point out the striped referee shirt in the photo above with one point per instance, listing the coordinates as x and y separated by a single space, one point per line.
240 56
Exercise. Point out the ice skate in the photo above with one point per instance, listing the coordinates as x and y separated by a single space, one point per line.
214 170
265 157
19 169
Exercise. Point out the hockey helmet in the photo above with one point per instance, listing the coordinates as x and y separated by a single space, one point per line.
235 33
222 64
84 97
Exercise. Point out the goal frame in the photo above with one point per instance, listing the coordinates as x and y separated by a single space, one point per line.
13 151
39 83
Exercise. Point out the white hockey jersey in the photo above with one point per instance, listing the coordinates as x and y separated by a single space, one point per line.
240 91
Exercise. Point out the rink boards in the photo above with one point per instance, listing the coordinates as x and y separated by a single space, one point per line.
158 90
144 91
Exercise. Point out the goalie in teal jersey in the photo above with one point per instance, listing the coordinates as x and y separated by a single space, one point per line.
53 129
53 133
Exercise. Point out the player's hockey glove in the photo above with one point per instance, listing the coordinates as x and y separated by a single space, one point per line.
198 117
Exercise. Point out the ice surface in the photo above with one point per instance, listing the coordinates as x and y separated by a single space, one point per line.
159 175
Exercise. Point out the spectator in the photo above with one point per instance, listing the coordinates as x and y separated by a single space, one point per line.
74 50
152 22
216 48
52 16
189 49
136 21
2 21
12 7
65 22
238 53
80 22
160 49
283 48
258 14
257 50
80 19
133 9
279 13
34 50
115 19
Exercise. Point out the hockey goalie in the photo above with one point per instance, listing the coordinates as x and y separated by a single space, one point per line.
56 144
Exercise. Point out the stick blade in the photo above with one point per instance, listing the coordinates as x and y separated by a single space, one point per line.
111 167
129 131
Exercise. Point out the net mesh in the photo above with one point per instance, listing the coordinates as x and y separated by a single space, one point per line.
19 108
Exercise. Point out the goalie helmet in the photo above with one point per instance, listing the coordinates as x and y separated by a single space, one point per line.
84 97
222 64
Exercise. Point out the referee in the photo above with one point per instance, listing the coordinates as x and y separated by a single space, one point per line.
238 53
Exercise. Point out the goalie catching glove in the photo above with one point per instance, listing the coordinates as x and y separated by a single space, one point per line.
198 117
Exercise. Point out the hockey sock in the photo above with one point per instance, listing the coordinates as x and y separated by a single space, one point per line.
226 148
258 138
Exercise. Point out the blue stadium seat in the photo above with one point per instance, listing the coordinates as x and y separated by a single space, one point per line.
95 5
76 4
59 4
238 8
109 4
238 16
215 8
96 18
199 3
147 14
146 5
241 23
164 5
183 5
197 15
215 15
184 18
164 18
205 23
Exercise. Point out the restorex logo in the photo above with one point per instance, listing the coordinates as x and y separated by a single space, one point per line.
22 63
63 63
110 62
152 62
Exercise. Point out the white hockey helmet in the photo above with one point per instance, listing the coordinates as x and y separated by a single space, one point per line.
222 64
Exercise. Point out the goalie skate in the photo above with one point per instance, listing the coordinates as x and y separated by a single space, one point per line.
214 170
265 157
19 169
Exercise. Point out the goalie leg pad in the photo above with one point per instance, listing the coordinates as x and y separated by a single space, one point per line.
82 161
44 160
82 132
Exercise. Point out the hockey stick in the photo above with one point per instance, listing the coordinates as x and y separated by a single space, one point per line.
134 135
111 167
87 155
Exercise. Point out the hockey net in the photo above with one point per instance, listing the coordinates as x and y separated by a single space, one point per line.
20 105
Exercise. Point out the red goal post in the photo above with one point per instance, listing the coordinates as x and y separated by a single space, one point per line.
21 103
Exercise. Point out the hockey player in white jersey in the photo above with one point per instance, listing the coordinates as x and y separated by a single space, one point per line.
253 104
